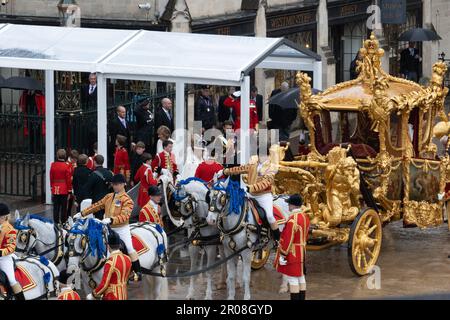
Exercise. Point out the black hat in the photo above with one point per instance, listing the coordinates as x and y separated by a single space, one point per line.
118 178
154 191
4 210
206 87
295 200
144 102
113 238
63 277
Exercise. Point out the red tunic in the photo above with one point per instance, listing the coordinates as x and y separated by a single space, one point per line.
207 169
148 213
90 164
145 176
122 162
115 278
165 161
292 245
68 294
236 106
61 178
7 239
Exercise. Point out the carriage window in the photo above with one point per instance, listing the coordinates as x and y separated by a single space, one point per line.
395 131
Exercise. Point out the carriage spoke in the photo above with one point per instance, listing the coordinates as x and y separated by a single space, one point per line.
370 253
372 229
364 259
368 221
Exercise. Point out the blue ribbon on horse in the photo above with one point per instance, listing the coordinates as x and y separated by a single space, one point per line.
41 218
94 233
43 260
160 249
189 180
18 225
47 277
236 195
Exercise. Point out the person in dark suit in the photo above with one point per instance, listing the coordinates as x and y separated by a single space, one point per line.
163 117
281 119
225 113
144 123
98 183
80 177
118 126
259 101
89 93
204 110
410 63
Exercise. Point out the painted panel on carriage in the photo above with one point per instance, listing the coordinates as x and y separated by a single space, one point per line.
424 181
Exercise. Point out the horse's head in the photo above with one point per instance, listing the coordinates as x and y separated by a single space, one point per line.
217 201
87 244
26 236
189 197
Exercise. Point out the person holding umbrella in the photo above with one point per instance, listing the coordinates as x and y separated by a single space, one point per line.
410 62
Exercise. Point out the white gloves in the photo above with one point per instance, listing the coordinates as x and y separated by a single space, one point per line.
107 221
90 297
219 174
236 94
441 196
77 216
282 261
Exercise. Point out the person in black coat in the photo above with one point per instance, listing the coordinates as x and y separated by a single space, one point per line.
80 177
163 117
259 101
88 94
144 123
410 63
204 109
118 126
281 119
225 113
98 183
353 65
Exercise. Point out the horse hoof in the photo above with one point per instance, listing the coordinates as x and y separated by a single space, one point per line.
220 286
230 298
283 290
247 297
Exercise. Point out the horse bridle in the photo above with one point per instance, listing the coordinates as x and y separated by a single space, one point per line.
72 237
190 205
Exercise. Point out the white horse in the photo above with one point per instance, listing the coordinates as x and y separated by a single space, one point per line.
38 278
191 196
87 254
40 236
238 229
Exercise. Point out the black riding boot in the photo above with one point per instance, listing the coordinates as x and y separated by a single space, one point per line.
19 296
302 295
136 266
295 296
276 234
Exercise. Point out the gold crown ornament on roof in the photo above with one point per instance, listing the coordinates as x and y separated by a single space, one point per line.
370 66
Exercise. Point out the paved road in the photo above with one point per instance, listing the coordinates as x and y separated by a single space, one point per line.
413 264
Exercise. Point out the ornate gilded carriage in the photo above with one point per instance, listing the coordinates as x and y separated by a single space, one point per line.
372 157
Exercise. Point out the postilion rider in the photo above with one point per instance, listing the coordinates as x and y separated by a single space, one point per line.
118 207
259 178
290 258
151 212
7 247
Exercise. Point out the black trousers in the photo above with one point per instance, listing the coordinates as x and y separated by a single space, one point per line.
59 208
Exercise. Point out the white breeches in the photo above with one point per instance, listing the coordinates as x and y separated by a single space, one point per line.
7 266
125 234
265 200
296 281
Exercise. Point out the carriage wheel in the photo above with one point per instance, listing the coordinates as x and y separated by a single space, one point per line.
365 241
260 257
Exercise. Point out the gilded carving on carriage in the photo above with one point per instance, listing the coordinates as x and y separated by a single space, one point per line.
372 160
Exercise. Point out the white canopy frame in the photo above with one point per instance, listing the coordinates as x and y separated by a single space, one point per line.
180 58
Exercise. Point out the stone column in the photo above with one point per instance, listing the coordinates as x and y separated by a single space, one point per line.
430 48
260 78
329 62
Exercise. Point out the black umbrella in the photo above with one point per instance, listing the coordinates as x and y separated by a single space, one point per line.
288 99
418 35
22 83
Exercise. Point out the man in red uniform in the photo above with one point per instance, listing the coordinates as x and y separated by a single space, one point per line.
290 258
121 159
66 291
234 102
61 186
114 284
165 160
145 176
7 247
151 212
208 168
